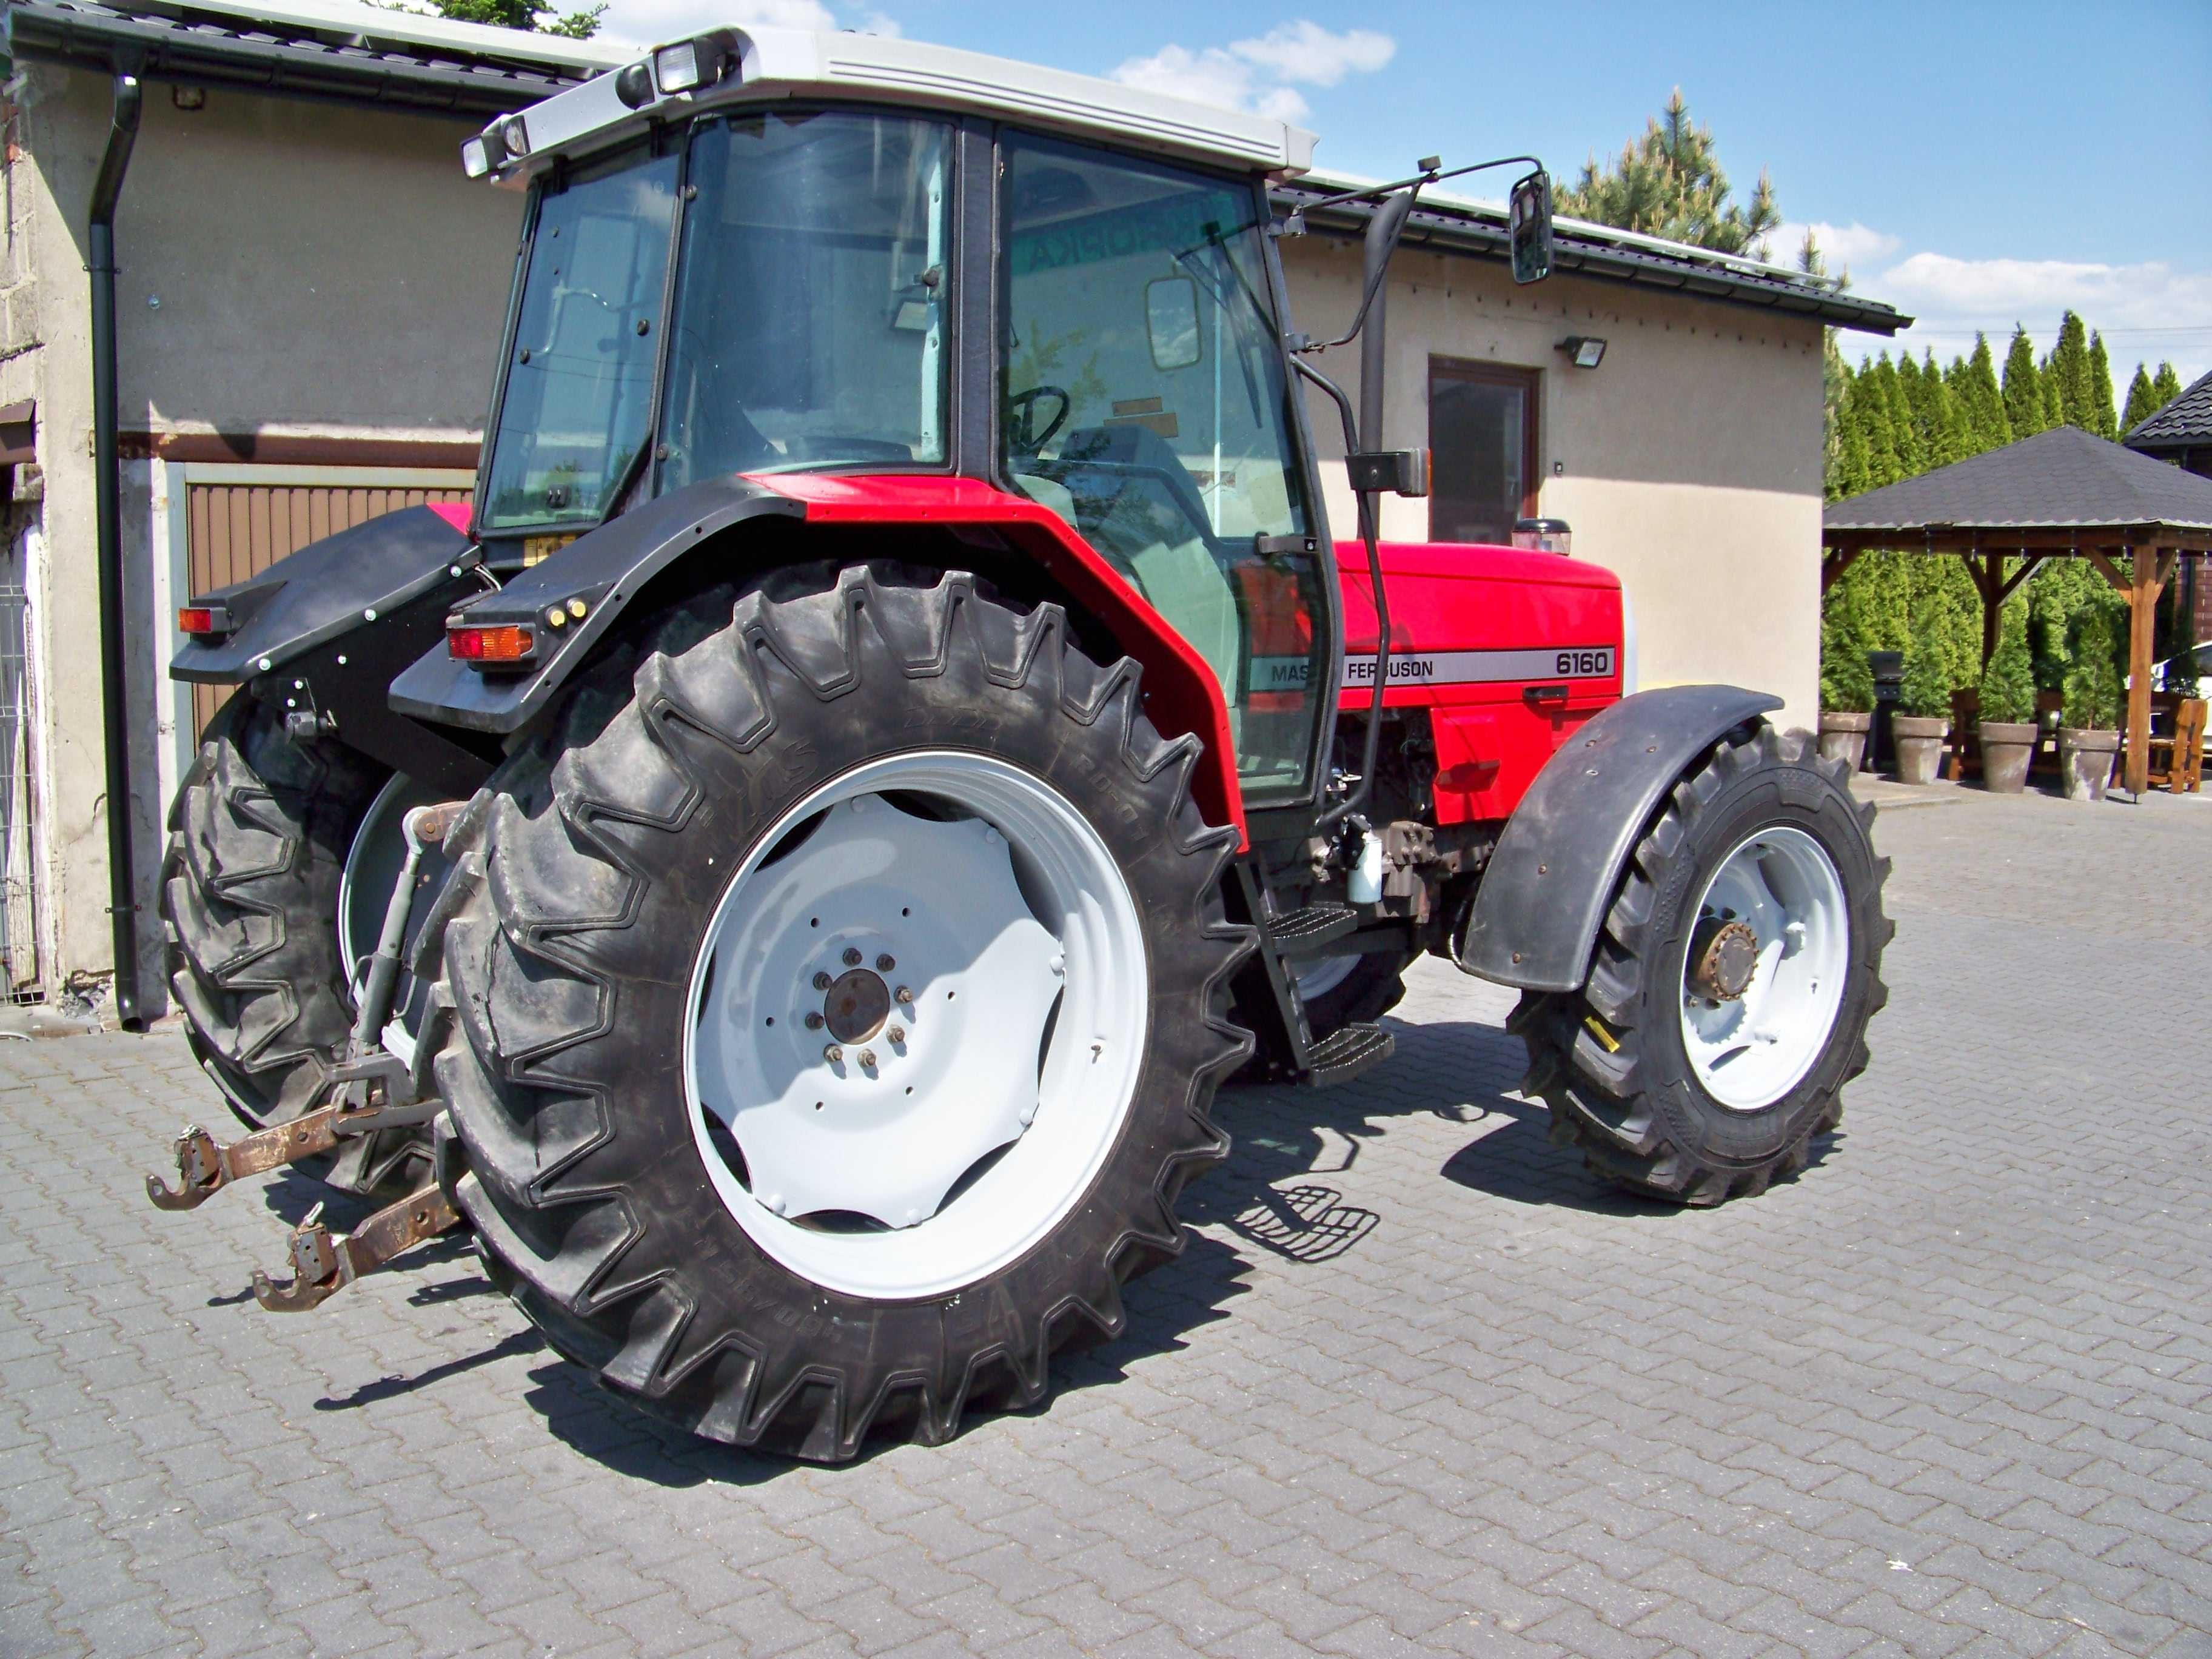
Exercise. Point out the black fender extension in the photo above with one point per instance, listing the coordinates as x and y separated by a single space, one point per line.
324 631
1545 891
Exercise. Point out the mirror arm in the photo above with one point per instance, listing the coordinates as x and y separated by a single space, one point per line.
1370 537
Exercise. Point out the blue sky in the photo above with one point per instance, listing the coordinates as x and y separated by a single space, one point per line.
1973 163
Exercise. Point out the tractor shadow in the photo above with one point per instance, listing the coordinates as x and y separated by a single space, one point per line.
1274 1196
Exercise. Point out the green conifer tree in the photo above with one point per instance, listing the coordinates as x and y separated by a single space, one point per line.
1924 688
2054 401
2165 386
1987 427
2105 418
2023 386
1846 679
1946 440
2068 372
2142 402
1869 413
2008 681
1670 183
1904 426
2093 673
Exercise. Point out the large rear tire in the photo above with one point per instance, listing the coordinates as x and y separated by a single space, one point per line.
725 836
258 836
1728 1003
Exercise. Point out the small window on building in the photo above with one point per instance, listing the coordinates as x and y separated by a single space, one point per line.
1482 437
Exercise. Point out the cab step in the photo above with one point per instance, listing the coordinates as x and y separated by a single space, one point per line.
1310 929
1345 1053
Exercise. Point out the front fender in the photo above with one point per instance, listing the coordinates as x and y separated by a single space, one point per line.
1545 891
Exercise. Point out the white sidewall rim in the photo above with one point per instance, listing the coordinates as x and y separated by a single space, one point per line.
1775 878
1085 1097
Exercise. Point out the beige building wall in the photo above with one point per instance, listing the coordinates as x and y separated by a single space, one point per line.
287 269
1689 462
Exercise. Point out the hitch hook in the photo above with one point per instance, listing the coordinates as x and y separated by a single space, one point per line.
322 1266
205 1168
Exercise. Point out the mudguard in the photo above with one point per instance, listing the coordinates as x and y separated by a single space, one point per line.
325 629
605 569
327 588
1560 857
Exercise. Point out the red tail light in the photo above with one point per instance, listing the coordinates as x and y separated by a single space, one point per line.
495 644
203 619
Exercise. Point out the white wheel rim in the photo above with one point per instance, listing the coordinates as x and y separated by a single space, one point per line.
1324 976
372 866
1750 1050
965 1141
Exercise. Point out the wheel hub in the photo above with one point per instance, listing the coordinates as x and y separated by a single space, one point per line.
857 1005
1725 957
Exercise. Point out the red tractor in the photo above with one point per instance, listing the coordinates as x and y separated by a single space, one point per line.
790 867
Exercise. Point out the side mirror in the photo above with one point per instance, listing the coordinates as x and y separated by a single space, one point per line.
1530 218
1171 321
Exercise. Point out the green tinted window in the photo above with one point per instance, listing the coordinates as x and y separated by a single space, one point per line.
1142 399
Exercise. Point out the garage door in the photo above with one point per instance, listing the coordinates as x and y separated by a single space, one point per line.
236 529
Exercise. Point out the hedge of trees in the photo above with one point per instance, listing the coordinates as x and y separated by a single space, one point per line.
1891 419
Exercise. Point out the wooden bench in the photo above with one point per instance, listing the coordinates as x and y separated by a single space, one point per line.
2177 757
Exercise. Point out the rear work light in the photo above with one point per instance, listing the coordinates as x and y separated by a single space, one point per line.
201 621
491 646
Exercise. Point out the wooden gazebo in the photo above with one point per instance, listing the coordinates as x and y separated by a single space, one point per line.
2060 493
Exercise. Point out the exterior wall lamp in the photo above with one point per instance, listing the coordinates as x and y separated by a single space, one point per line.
1586 351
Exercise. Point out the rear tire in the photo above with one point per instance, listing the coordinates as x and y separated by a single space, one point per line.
1614 1062
596 878
258 835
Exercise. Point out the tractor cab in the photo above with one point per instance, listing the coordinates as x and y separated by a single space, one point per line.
730 280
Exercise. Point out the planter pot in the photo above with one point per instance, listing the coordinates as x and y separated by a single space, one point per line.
2086 759
1919 739
1843 737
2007 748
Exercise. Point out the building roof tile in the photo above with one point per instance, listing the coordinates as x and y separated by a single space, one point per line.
2062 479
2184 422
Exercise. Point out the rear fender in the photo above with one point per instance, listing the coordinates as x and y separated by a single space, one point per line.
606 569
1545 891
323 631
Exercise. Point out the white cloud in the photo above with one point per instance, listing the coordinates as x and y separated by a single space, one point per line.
2148 312
1844 247
1306 52
1261 73
650 22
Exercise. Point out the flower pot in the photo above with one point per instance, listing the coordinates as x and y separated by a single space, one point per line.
2087 757
2007 748
1843 737
1919 739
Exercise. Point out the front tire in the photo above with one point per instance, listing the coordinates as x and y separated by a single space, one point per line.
623 1072
1728 1001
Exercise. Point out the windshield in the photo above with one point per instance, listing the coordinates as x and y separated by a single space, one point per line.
809 306
579 399
1144 400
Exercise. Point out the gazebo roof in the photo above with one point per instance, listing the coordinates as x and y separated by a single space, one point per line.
2063 480
2184 422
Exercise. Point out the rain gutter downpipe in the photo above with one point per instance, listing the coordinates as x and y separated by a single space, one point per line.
107 468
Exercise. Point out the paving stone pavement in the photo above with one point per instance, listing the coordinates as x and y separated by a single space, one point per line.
1417 1385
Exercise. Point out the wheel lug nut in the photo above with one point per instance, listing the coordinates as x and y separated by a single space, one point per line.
814 1022
868 1059
852 958
903 994
894 1035
834 1055
822 981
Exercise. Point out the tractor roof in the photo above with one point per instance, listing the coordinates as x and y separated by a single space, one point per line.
773 63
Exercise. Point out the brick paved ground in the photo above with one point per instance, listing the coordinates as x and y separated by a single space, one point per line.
1416 1385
